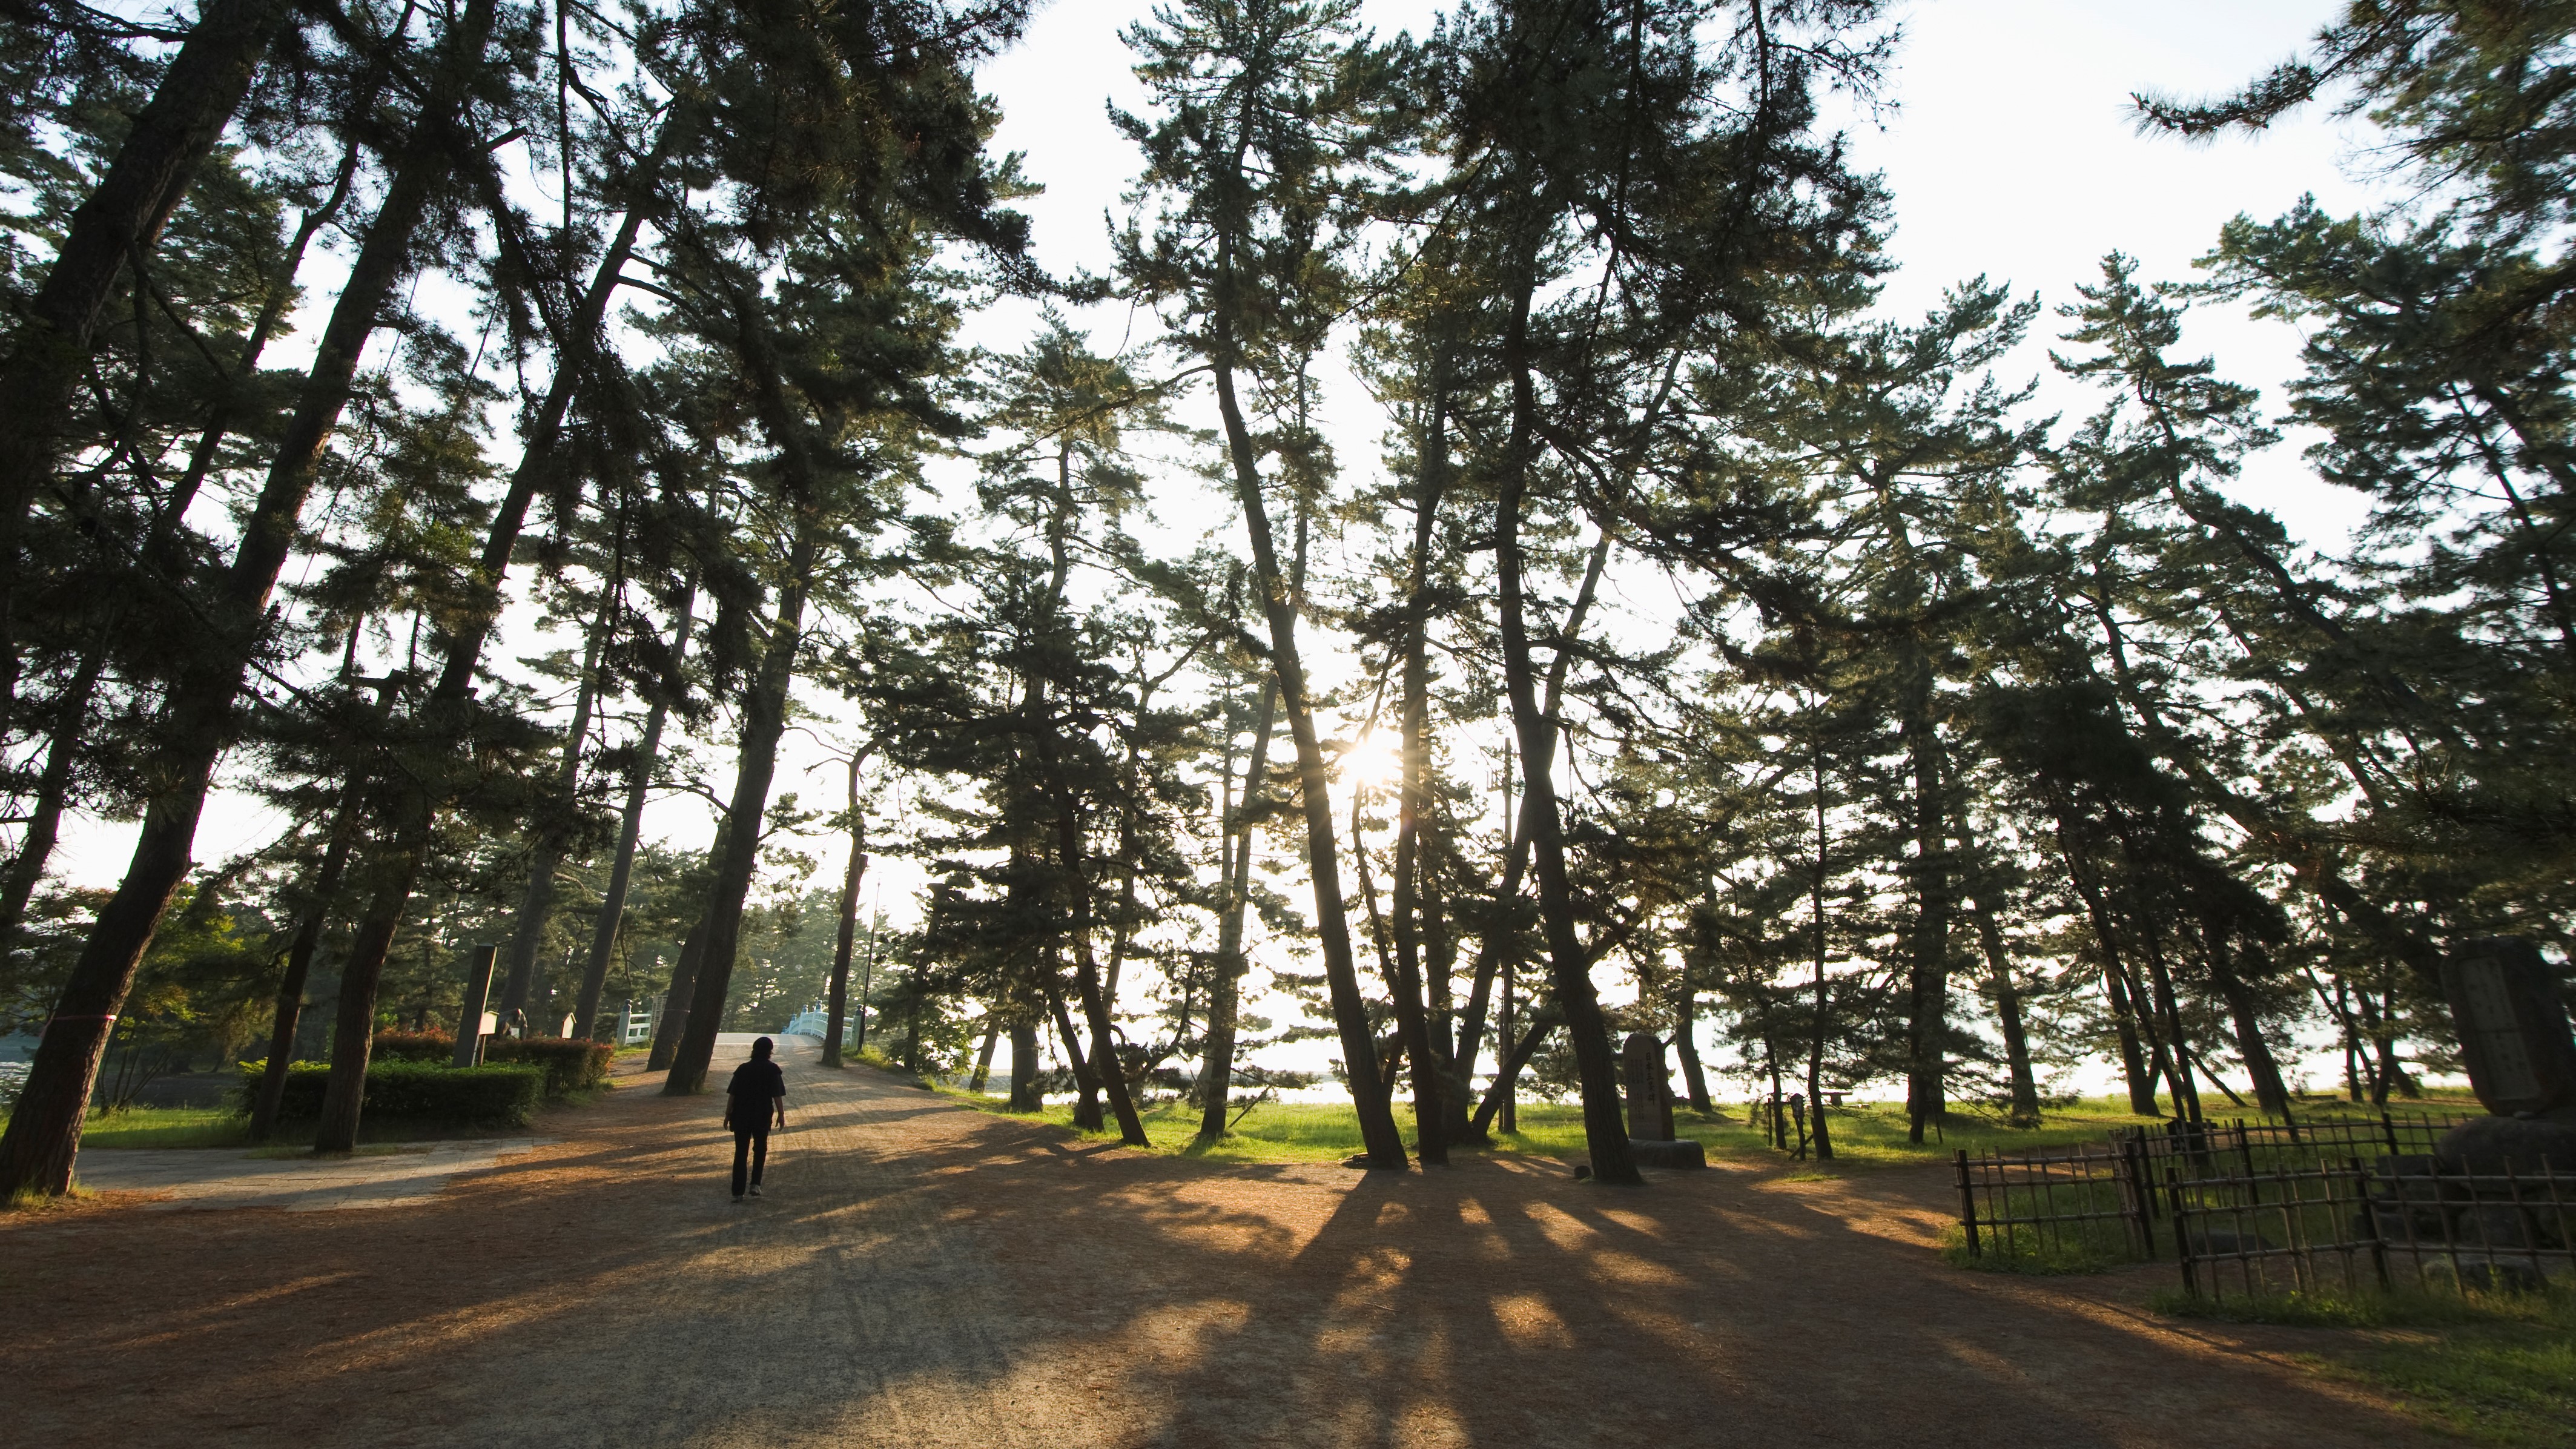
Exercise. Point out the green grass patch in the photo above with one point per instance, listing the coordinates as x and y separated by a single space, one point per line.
1330 1131
1866 1134
29 1200
166 1127
2048 1257
871 1057
2494 1368
211 1127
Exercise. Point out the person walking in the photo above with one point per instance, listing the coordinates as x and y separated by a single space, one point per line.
757 1092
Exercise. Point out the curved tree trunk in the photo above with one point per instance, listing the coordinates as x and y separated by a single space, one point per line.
630 827
1605 1127
674 1017
44 1131
839 997
299 963
545 855
1216 1071
764 721
122 218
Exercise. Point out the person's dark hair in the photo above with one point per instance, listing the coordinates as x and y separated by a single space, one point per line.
760 1050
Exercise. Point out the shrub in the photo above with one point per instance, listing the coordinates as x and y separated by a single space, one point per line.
570 1064
415 1046
504 1094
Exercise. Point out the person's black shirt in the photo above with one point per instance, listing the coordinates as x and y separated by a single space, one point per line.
756 1085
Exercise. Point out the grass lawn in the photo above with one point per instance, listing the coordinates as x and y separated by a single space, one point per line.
166 1127
1866 1134
2492 1368
223 1127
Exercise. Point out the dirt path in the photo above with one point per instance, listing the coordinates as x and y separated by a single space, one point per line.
923 1275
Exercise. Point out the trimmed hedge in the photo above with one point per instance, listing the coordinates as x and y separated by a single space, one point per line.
504 1094
415 1046
570 1064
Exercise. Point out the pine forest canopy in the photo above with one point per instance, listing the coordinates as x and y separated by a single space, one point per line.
1691 642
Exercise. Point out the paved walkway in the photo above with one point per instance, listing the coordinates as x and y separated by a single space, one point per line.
400 1176
227 1177
923 1276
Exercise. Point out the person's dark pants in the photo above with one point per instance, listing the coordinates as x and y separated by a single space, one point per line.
751 1146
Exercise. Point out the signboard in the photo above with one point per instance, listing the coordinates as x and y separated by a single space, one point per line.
2513 1028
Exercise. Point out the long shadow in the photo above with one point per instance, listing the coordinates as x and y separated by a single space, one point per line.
927 1274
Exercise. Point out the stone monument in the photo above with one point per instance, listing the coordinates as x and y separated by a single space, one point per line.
2513 1030
2521 1059
1650 1106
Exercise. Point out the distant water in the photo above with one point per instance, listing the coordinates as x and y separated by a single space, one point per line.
13 1075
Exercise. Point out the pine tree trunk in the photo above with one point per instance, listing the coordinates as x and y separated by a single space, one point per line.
1507 1072
537 901
674 1017
1686 1044
2025 1086
44 1131
630 827
1928 1015
1496 952
764 721
1216 1071
121 219
1431 1069
449 705
53 791
299 963
1105 1066
2134 1070
1024 1067
2169 1032
1086 1077
2271 1093
1384 1144
1570 967
984 1058
838 1004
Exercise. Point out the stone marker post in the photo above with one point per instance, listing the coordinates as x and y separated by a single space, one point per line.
1650 1088
1651 1138
2513 1029
469 1022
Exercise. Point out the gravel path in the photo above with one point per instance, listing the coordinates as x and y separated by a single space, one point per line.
922 1275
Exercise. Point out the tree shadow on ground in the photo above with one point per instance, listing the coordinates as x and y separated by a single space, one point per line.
924 1274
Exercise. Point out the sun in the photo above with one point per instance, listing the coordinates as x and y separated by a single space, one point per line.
1375 761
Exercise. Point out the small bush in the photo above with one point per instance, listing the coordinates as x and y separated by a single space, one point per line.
570 1064
505 1095
415 1046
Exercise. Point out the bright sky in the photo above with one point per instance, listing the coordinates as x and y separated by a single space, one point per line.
2010 154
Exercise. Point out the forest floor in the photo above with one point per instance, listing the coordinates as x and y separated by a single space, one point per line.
921 1274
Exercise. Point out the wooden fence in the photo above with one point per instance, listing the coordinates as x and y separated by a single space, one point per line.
2402 1221
2117 1200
